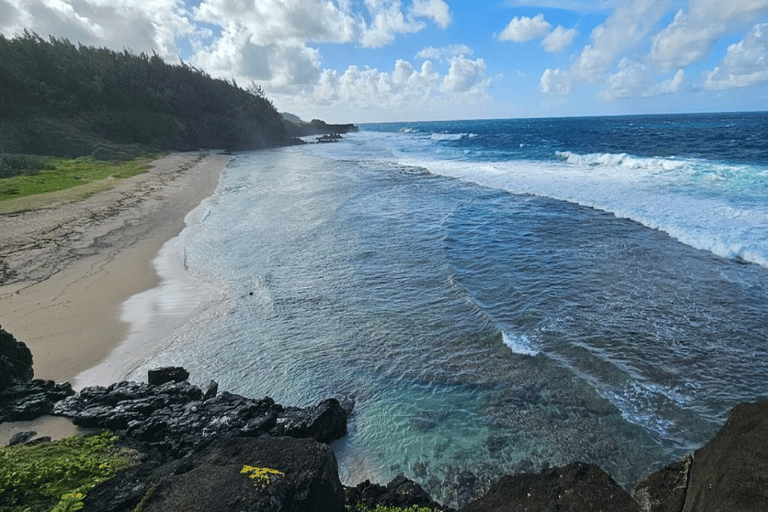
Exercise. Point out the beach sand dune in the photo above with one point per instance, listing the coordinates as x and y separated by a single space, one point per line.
66 270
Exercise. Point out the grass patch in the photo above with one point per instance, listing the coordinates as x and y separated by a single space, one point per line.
57 475
63 174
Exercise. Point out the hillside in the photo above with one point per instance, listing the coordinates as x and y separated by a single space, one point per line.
66 100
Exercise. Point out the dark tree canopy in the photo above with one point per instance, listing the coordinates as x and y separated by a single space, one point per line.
58 98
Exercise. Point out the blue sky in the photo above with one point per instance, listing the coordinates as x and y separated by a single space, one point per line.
404 60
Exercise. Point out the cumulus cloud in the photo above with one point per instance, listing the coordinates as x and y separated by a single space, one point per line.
692 34
403 88
554 81
634 79
745 63
626 28
559 39
523 29
442 54
129 24
436 10
465 75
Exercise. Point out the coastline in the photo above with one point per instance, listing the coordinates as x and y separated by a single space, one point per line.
76 264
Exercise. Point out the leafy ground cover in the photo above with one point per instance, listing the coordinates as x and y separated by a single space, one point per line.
56 476
35 182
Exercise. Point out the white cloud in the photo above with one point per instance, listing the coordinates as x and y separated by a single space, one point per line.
271 21
559 39
745 63
436 10
626 81
634 79
554 81
130 24
442 54
670 86
465 75
403 89
523 29
692 35
624 30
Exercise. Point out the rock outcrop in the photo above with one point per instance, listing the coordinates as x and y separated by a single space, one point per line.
664 491
400 492
15 361
305 479
178 418
21 397
577 487
731 471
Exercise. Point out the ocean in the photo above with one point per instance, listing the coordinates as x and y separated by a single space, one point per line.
497 296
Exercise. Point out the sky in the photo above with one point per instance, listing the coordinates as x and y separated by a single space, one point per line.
409 60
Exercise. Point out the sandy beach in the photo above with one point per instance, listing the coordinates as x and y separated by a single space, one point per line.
66 270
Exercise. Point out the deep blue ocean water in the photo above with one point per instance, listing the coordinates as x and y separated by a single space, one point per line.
497 296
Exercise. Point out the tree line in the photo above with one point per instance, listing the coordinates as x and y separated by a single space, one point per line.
59 98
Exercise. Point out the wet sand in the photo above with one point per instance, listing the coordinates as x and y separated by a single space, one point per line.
66 270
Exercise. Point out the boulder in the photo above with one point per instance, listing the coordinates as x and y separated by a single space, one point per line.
578 487
731 471
325 422
29 399
400 492
664 491
15 361
213 480
21 437
160 376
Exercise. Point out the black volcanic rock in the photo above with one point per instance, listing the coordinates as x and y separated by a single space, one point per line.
22 398
400 492
731 471
15 361
175 418
578 487
664 491
212 480
160 376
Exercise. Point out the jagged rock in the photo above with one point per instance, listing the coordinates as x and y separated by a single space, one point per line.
15 361
578 487
400 492
38 440
664 491
325 422
30 399
21 437
211 480
466 483
731 471
211 390
160 376
176 419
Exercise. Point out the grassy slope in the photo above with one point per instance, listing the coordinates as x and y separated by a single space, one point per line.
37 478
72 180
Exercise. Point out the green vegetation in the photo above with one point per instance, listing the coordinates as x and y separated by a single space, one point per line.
40 175
57 475
66 100
262 477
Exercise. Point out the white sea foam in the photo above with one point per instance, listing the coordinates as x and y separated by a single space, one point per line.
519 344
674 196
451 136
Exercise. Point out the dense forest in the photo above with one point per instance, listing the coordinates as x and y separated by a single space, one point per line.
60 99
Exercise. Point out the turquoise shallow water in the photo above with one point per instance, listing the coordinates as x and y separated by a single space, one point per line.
477 326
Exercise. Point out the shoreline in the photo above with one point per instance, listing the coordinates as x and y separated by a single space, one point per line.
77 264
